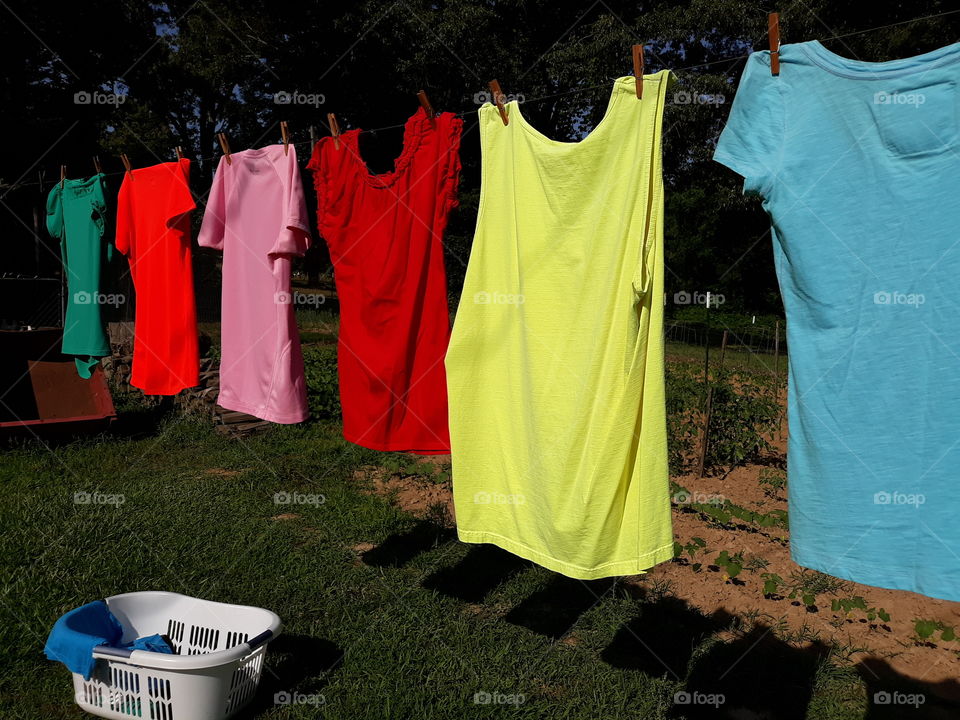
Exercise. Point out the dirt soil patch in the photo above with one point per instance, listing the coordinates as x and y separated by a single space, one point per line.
418 495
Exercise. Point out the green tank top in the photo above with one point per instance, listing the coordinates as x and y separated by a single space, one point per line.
75 217
555 367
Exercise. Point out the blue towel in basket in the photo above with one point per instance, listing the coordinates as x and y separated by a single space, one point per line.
151 643
76 634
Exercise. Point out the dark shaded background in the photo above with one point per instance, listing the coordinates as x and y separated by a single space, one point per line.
191 69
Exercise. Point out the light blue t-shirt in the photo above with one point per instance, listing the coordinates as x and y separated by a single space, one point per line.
858 164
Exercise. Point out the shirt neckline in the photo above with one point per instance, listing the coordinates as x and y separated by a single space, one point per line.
257 152
513 108
413 131
862 69
81 182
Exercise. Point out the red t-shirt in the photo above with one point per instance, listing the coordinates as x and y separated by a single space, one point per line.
153 231
385 238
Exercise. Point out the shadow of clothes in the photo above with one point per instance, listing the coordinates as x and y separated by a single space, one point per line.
401 548
294 663
553 610
894 696
143 421
755 675
484 568
660 641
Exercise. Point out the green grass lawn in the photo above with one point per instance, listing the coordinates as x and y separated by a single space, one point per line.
414 629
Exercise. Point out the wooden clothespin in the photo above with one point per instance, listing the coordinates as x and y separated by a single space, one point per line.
773 30
96 164
285 134
225 146
497 94
63 174
638 69
126 162
179 153
425 104
334 129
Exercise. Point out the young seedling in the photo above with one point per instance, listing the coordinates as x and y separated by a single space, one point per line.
771 584
693 547
925 630
848 605
731 565
809 599
773 482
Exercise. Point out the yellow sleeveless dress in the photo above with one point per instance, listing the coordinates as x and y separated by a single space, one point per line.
555 367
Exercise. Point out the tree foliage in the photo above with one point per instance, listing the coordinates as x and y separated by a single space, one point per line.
189 70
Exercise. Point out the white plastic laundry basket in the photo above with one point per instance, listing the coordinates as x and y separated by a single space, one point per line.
213 673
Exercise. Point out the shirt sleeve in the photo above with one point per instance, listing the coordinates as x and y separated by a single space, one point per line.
294 236
180 202
126 229
55 214
214 216
752 142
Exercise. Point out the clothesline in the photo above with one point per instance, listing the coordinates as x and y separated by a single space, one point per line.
575 91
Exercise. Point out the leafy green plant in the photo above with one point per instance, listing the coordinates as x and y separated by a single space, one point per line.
722 514
808 598
684 394
743 420
731 565
773 482
323 385
848 605
744 415
693 547
805 585
924 630
772 584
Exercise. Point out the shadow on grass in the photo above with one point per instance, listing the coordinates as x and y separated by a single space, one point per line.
661 640
892 696
553 610
141 420
295 663
399 549
483 569
753 675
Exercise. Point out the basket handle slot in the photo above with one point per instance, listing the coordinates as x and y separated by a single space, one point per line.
112 651
258 640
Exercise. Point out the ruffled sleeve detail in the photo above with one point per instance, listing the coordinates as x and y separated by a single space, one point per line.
452 166
326 163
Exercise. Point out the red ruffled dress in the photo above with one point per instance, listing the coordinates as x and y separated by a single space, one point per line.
385 238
